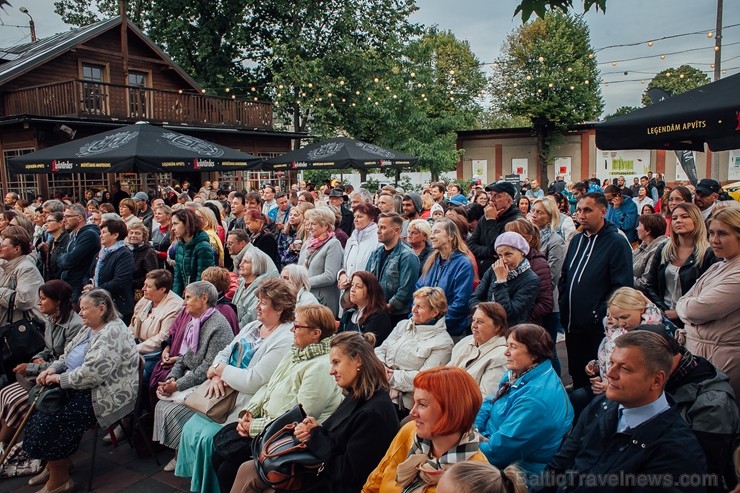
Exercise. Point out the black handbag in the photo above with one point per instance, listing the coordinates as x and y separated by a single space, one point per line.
282 461
230 445
51 399
19 341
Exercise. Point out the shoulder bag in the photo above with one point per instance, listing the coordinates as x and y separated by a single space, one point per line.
282 461
19 341
216 409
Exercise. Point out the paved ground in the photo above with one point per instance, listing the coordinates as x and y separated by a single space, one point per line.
120 469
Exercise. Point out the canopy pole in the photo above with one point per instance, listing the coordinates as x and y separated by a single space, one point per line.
714 167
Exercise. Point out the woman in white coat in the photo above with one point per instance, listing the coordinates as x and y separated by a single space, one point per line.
359 247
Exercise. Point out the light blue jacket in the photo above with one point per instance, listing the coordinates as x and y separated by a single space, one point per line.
527 424
455 278
625 218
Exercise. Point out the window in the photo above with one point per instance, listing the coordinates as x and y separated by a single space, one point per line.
74 185
26 186
138 94
95 92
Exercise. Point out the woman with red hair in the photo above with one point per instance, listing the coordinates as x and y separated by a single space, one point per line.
440 434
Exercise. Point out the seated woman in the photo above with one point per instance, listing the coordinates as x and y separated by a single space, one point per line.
206 334
354 438
301 377
145 257
260 235
440 434
62 325
626 308
417 236
100 368
254 269
154 314
221 280
368 312
297 276
526 420
263 344
510 281
449 267
482 354
416 344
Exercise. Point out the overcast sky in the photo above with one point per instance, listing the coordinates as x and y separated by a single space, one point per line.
486 23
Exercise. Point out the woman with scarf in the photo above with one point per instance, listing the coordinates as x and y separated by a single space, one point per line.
322 256
245 365
415 345
260 236
193 252
354 438
510 281
161 236
145 257
114 270
362 243
440 434
526 420
254 269
301 377
205 335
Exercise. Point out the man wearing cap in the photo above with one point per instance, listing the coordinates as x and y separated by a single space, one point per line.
633 437
337 199
500 211
597 262
144 212
707 194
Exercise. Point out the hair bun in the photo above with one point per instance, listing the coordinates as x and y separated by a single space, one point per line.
370 338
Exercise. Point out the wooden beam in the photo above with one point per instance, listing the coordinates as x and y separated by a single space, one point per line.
117 54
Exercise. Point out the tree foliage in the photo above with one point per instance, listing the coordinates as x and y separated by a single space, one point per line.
675 81
540 7
547 73
622 110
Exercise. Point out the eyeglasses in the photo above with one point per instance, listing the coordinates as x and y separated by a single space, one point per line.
307 327
68 216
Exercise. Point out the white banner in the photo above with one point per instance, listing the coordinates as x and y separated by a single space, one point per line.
480 170
520 166
733 172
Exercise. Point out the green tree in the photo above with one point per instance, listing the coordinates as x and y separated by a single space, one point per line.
540 7
622 110
675 81
547 73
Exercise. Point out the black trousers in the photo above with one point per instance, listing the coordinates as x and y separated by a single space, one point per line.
230 450
582 348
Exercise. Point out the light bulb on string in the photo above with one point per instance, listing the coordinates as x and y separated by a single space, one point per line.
341 82
310 84
650 43
376 80
662 57
541 59
254 89
550 85
716 48
614 64
203 91
710 34
570 69
280 86
227 89
413 74
724 72
586 82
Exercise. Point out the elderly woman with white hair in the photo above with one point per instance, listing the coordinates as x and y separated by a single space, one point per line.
255 267
322 255
205 336
417 236
297 276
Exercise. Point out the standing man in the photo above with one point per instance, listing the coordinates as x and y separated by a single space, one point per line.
10 200
558 185
268 199
622 212
620 182
635 187
535 192
438 194
237 210
412 208
386 203
707 194
652 192
237 242
500 211
632 436
395 265
117 195
279 214
81 254
144 212
336 198
598 261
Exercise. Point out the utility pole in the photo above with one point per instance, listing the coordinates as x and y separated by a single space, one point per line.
715 166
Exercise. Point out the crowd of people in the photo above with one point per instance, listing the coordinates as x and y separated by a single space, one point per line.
418 331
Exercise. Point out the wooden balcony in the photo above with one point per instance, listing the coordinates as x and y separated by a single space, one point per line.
99 101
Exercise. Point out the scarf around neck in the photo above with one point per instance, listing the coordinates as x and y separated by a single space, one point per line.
420 470
191 340
101 258
520 269
310 351
314 244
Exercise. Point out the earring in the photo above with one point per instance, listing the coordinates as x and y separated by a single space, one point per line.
358 368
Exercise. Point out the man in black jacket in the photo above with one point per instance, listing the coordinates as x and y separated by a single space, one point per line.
632 438
598 261
500 211
82 250
338 199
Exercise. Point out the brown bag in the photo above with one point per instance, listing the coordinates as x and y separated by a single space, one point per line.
214 408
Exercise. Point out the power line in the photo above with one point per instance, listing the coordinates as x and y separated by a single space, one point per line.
666 54
652 40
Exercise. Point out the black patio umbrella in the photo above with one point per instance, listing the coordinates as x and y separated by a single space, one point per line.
139 148
707 114
340 153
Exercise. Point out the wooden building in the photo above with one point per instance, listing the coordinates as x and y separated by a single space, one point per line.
106 75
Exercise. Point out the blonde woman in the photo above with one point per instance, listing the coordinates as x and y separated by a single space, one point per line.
680 261
292 237
210 226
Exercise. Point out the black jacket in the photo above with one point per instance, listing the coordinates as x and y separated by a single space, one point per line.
516 296
483 238
145 261
353 440
79 258
688 273
50 265
663 449
266 242
379 323
348 220
116 276
594 267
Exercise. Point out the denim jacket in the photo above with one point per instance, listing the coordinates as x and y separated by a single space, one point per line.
398 276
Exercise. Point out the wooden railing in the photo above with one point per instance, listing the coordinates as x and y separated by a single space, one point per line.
80 99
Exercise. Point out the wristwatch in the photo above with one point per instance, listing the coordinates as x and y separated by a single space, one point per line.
215 365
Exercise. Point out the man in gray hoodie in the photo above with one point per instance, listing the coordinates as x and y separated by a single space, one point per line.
412 209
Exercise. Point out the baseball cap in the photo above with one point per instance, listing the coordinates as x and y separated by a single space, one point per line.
708 186
502 186
141 196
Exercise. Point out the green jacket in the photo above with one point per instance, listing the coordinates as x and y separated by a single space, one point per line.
191 259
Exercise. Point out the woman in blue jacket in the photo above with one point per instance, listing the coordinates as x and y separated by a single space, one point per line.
449 268
526 420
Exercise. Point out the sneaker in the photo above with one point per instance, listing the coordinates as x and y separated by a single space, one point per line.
118 432
171 465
